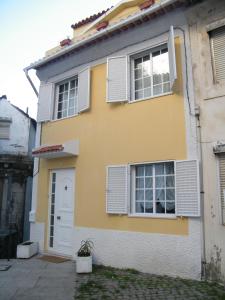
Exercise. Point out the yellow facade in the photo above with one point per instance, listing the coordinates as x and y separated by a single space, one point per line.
113 134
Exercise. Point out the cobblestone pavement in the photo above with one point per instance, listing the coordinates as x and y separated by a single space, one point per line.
109 283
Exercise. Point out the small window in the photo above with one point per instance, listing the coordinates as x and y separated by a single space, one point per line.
5 129
151 76
67 98
153 188
217 41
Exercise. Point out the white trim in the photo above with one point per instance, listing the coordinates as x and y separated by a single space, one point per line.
153 216
151 98
49 209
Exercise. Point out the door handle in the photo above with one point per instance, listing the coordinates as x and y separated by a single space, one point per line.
58 218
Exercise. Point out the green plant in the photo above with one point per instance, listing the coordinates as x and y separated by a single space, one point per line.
85 248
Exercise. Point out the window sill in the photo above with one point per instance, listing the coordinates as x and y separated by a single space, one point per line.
153 216
55 120
149 98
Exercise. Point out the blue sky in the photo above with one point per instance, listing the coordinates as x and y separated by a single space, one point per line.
27 29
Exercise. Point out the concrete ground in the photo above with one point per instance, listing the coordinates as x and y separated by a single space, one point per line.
35 279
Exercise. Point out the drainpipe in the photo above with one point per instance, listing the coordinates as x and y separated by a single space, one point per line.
30 81
202 196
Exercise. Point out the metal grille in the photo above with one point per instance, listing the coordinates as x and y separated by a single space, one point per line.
222 185
217 38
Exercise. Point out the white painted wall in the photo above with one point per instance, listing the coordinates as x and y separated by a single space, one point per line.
19 130
211 99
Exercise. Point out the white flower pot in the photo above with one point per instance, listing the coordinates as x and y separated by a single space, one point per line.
27 249
84 264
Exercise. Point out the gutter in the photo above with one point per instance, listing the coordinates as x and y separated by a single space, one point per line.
162 4
30 81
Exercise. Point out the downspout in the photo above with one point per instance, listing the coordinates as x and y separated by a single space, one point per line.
30 81
202 196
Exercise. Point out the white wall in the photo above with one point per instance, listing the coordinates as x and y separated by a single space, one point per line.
211 99
19 130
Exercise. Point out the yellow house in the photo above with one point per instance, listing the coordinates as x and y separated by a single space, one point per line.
116 158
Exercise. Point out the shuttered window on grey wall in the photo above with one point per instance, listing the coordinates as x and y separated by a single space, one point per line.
217 39
222 185
4 130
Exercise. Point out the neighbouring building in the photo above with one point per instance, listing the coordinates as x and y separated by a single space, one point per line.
17 137
117 158
207 41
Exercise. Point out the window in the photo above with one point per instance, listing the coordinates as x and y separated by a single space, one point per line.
217 40
67 94
148 74
151 74
153 187
5 128
149 189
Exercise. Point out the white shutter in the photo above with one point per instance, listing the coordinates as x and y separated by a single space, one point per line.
45 102
187 188
117 189
222 185
218 47
4 130
117 90
84 90
172 58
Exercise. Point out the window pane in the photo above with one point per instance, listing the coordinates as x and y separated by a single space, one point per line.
59 115
51 242
71 112
65 96
61 88
148 170
66 86
51 230
139 95
169 167
60 97
138 84
157 89
170 207
140 195
149 207
159 182
157 78
147 93
138 63
140 170
166 77
159 169
139 207
138 73
147 82
160 207
148 195
170 194
72 84
148 182
139 183
52 209
71 103
160 194
166 87
59 106
170 181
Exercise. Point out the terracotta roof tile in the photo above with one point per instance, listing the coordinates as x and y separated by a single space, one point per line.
53 148
89 19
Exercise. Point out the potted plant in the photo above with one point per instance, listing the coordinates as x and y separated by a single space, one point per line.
84 257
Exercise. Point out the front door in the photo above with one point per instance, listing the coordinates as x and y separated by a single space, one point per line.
61 211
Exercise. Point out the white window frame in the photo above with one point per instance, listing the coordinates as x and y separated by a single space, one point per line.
56 98
142 53
131 189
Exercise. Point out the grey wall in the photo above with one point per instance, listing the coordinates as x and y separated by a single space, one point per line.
108 47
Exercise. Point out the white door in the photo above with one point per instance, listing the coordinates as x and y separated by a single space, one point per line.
61 211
